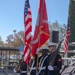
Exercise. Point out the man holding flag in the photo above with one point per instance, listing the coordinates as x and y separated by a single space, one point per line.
27 38
41 33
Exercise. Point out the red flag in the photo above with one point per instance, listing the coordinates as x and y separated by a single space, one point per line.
28 29
66 39
41 34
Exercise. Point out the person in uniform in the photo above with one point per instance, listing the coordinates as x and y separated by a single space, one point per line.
32 65
23 66
43 61
57 65
17 67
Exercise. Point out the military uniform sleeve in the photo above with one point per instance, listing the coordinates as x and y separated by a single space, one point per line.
58 62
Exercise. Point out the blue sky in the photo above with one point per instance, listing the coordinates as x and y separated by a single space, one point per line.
12 13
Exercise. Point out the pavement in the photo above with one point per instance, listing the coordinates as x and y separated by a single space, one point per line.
4 71
70 70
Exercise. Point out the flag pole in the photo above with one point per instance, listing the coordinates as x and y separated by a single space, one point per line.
41 30
36 61
27 33
28 69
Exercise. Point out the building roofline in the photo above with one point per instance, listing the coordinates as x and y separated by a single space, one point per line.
10 48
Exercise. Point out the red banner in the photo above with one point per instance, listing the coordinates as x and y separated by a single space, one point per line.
41 34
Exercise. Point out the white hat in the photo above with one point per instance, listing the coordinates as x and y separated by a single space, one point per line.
52 44
44 47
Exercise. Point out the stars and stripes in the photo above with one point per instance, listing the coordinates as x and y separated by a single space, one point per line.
28 30
66 39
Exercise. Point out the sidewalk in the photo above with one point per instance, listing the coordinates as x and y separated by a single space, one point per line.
7 72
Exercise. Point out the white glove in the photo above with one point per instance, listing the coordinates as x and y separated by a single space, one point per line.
14 70
50 67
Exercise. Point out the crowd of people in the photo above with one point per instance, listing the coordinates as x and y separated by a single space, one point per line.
49 63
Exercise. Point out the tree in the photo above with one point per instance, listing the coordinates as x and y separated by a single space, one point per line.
19 39
62 31
15 40
61 28
9 40
1 42
72 22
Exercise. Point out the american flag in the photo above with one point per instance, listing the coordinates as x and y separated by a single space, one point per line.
28 30
66 39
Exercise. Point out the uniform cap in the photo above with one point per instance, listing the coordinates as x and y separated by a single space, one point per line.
44 47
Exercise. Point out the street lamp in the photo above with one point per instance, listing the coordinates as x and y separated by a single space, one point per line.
14 31
14 35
